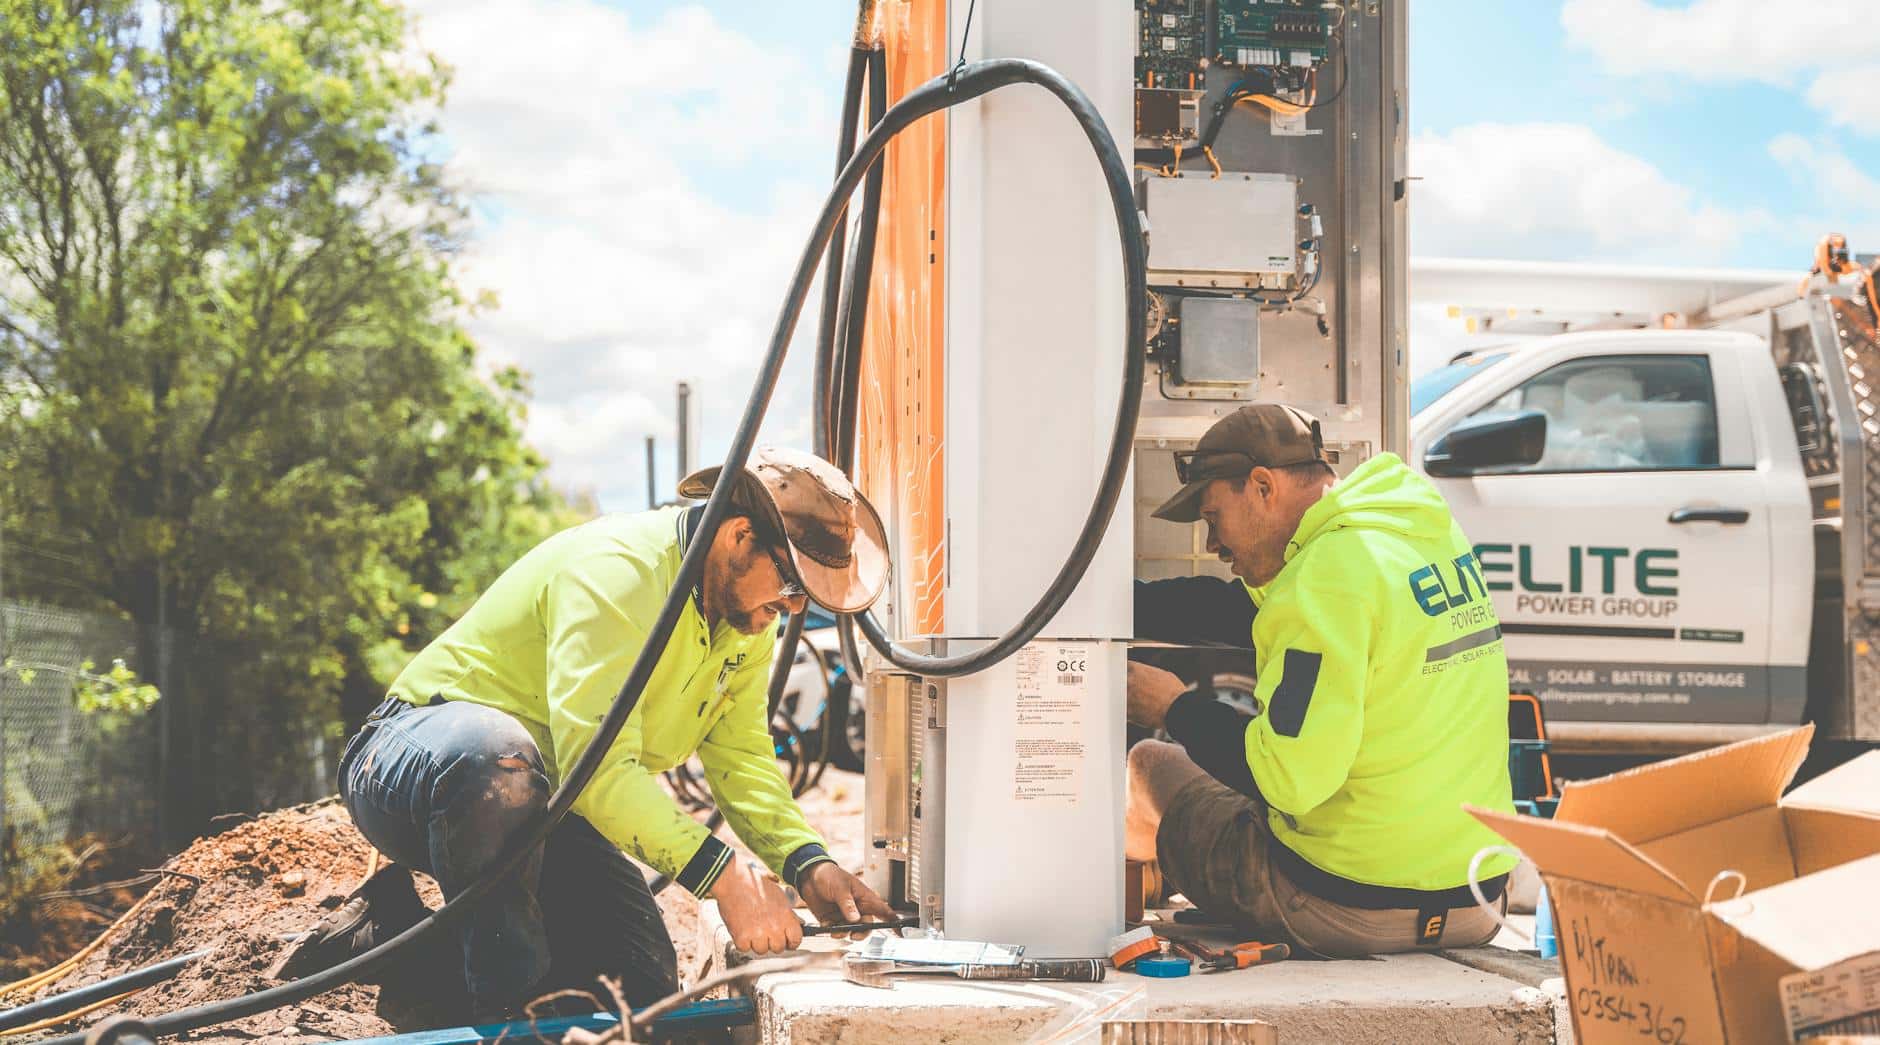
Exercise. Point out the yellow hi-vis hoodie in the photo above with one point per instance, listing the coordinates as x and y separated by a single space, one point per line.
1384 689
551 642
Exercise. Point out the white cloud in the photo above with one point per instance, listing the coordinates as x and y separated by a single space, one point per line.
1822 163
1834 42
1842 196
643 189
1555 191
1850 96
1721 40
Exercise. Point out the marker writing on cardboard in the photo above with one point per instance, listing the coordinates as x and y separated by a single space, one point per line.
1607 967
1611 996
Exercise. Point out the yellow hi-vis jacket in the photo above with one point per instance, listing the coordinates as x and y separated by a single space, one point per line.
1384 689
551 642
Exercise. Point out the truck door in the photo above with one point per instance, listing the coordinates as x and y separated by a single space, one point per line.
1632 564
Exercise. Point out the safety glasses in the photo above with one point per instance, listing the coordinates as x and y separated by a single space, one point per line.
1191 465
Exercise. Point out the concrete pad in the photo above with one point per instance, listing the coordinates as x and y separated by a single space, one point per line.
1408 997
1524 967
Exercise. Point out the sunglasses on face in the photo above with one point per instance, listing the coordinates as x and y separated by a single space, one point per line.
791 584
1191 465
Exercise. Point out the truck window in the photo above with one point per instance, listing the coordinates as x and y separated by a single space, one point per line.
1621 413
1437 383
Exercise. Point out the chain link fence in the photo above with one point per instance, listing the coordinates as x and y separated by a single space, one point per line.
67 772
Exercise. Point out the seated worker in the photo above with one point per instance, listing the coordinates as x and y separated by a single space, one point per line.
481 725
1333 820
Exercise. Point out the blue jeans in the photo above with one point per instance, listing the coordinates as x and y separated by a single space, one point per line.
442 789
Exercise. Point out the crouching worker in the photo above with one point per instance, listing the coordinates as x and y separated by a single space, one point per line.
483 723
1333 819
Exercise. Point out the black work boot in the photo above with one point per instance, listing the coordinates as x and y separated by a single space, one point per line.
383 906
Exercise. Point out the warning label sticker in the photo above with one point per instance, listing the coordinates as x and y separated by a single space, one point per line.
1052 683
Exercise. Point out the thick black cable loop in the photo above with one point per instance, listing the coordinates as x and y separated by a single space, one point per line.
786 659
976 79
1116 469
821 416
852 311
821 410
870 64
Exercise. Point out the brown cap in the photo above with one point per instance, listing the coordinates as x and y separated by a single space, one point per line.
1262 435
836 541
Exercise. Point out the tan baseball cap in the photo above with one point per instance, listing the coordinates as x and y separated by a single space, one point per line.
836 541
1262 435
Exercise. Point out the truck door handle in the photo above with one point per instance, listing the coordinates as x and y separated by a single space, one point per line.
1726 516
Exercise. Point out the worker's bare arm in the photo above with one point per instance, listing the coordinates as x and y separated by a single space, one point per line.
756 911
1151 691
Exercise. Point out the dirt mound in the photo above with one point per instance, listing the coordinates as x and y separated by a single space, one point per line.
239 892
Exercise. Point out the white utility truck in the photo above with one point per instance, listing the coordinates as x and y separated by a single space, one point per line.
1670 501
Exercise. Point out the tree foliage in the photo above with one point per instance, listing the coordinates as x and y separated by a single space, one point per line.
231 362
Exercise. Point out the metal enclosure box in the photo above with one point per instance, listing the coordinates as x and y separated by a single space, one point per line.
1028 785
1338 352
1220 339
1240 230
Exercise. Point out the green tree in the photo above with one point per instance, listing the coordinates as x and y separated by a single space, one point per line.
230 360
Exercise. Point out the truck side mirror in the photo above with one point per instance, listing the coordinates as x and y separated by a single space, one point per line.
1482 443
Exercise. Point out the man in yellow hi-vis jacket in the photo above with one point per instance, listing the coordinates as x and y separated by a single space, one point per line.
482 724
1333 819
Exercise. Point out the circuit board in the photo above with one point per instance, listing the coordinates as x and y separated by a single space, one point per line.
1171 44
1272 32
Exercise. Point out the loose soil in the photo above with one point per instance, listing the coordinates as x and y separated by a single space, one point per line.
240 891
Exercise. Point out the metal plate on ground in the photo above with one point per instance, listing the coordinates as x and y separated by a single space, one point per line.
936 952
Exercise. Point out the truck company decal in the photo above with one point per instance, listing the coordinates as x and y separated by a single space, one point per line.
1587 581
1640 692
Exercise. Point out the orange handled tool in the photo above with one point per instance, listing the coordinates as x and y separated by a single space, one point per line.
1242 955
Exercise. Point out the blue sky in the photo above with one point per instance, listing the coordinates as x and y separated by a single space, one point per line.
1709 135
644 171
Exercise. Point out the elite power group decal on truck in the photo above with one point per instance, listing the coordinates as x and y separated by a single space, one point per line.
1628 596
1608 586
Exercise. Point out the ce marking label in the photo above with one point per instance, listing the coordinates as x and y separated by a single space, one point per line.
1074 667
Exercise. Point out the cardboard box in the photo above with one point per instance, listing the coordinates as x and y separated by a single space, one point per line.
1655 939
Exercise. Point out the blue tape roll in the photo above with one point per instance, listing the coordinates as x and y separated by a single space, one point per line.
1162 967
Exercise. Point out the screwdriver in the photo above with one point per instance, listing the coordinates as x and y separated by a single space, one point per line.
860 927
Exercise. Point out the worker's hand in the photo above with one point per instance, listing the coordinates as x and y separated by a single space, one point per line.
837 897
756 911
1151 691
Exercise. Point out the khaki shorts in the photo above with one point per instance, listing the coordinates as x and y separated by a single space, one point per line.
1213 847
